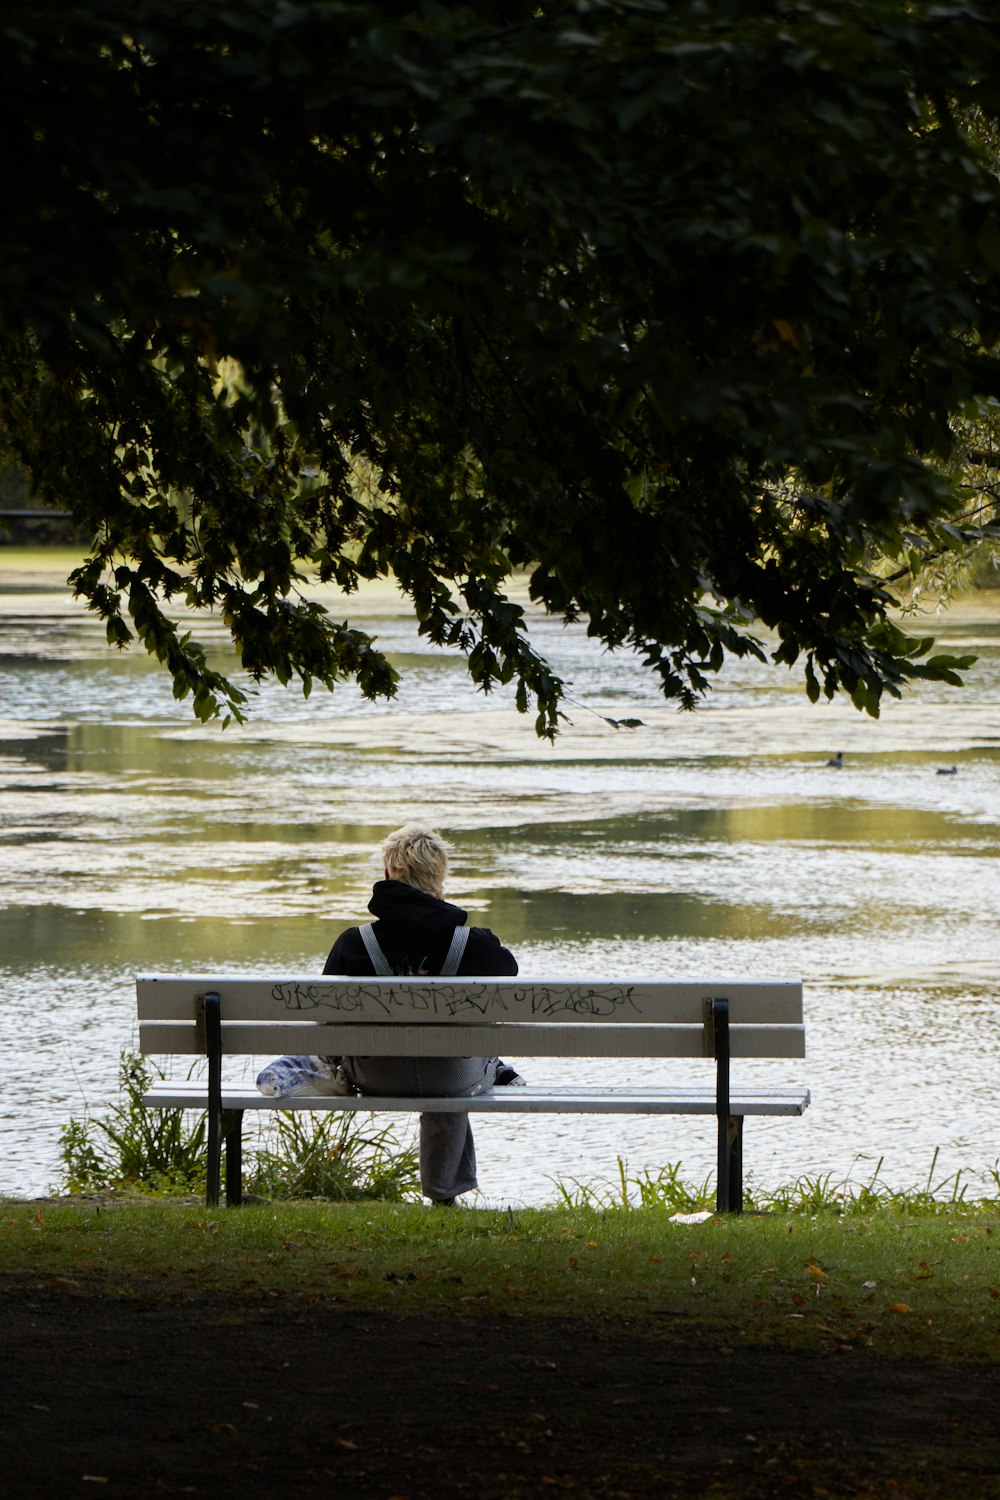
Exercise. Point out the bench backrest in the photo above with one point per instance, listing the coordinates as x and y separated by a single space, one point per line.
334 1016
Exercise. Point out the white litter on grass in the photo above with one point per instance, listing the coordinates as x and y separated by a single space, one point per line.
698 1218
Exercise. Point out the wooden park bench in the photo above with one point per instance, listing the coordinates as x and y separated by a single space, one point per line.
226 1016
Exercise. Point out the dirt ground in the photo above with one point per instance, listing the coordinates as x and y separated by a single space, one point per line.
237 1396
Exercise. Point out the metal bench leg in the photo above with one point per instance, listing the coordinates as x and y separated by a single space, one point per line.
723 1169
214 1159
736 1164
718 1015
211 1008
232 1130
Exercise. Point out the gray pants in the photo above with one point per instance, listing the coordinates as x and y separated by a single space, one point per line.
447 1150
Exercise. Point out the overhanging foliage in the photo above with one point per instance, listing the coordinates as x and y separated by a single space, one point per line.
674 306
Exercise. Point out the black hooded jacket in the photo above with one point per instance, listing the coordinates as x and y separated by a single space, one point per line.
414 931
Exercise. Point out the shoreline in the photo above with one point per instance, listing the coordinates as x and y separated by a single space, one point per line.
31 570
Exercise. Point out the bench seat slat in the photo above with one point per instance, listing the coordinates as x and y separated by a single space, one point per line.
529 1100
509 1038
444 1001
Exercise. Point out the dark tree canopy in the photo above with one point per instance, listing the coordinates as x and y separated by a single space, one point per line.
677 306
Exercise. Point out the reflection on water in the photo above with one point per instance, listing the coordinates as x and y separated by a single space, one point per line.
132 840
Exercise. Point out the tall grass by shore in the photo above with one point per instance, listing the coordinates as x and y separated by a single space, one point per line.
808 1194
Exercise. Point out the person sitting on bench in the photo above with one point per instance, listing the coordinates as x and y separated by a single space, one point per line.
415 932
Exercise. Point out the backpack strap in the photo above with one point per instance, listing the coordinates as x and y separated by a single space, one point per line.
456 952
380 963
382 966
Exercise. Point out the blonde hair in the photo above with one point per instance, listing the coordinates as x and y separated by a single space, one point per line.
418 856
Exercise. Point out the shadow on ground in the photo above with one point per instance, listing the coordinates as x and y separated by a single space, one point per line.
264 1397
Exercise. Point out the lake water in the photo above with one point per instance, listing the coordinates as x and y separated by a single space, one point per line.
715 844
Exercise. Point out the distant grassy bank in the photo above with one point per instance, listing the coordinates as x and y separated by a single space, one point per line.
894 1283
41 573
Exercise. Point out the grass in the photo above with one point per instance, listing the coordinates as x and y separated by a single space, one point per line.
822 1193
57 561
336 1156
921 1286
835 1266
131 1149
